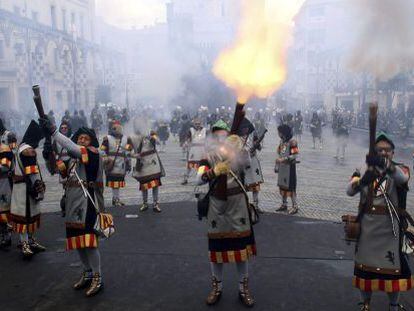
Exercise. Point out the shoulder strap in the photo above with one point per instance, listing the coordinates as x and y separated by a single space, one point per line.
364 208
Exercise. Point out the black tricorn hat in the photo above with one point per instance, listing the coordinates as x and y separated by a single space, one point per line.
33 135
87 131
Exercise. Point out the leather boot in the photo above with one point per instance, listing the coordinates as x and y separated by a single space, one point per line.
398 306
85 280
144 207
293 210
365 306
244 295
35 246
215 293
282 208
96 285
5 241
27 252
156 208
117 202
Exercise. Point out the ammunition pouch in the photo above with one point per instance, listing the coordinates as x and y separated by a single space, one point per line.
352 228
36 190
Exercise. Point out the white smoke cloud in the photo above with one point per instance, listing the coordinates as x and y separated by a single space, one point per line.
162 71
384 43
132 13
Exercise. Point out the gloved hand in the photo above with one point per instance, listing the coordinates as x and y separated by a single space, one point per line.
63 206
368 177
47 125
47 149
221 168
357 173
39 186
376 160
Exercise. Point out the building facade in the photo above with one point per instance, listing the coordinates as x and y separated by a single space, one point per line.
205 26
52 43
318 72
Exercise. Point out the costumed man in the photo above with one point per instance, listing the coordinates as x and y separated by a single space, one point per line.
197 137
148 168
230 232
298 125
66 117
28 191
253 176
62 159
96 119
83 201
285 167
316 130
342 134
117 164
184 136
7 146
163 134
380 263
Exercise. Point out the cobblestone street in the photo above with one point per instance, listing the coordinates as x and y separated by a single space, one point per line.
321 180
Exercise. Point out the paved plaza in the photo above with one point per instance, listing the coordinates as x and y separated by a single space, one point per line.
321 180
159 261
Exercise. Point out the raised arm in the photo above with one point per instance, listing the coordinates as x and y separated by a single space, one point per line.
400 174
73 149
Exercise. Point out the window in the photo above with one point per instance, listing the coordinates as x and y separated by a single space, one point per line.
53 16
69 98
87 98
56 58
59 99
16 10
317 11
73 24
19 49
82 29
64 24
35 16
316 36
1 49
72 18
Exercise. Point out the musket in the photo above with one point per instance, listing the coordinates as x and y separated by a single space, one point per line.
258 142
239 114
39 106
38 101
373 115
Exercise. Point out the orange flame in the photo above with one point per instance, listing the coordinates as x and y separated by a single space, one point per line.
255 65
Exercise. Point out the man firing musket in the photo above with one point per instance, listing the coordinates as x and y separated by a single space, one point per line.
230 229
83 199
379 229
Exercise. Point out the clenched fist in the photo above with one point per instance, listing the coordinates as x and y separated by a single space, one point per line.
221 168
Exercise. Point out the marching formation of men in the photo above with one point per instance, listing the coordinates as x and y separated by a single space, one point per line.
225 158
